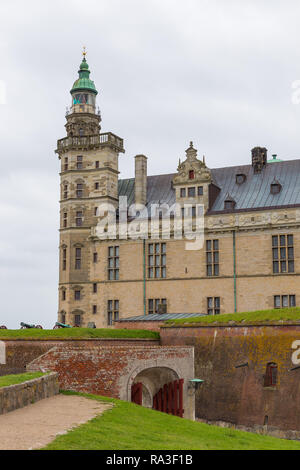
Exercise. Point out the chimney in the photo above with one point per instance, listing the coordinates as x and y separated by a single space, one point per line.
141 179
259 158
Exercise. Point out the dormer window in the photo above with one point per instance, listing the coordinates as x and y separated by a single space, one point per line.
240 178
191 174
229 203
275 187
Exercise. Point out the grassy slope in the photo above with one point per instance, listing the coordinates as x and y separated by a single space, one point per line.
132 427
7 380
77 333
258 316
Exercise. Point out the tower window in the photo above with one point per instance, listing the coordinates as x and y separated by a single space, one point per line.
94 309
95 211
283 253
79 190
64 259
97 164
79 162
95 288
77 294
95 257
79 215
63 294
191 174
270 379
65 191
66 166
78 258
157 260
113 263
96 185
65 220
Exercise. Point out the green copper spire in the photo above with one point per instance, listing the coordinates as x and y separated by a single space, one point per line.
84 83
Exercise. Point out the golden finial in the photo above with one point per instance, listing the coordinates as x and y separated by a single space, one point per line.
84 52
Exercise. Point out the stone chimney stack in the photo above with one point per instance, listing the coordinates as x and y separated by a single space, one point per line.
141 179
259 158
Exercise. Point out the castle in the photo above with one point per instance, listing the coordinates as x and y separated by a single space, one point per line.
249 259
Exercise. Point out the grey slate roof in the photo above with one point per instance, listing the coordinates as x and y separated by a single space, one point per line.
161 317
254 193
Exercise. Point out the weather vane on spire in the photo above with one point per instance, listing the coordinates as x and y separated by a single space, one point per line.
84 52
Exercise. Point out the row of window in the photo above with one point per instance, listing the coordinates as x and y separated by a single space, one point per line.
79 163
191 192
282 252
79 190
78 217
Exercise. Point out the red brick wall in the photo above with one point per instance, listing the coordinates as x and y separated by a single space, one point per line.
238 395
107 370
19 353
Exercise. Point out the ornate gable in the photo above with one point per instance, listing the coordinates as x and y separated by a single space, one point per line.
192 170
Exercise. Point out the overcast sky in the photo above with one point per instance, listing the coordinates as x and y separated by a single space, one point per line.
217 72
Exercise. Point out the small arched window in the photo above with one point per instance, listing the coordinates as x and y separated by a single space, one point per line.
271 375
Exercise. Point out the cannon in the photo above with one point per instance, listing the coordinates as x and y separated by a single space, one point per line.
27 326
60 325
3 327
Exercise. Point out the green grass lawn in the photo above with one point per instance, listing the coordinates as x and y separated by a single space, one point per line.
7 380
77 333
131 427
258 316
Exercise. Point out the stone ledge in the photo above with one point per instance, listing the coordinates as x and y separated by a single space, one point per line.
20 395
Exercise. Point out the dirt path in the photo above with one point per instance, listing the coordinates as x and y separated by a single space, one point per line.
36 425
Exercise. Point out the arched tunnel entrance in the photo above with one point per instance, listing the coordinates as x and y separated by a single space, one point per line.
159 388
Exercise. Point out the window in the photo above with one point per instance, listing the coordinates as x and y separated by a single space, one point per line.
182 192
64 259
65 219
78 258
79 215
213 305
212 257
95 257
240 178
283 253
77 295
81 132
97 164
157 260
94 309
79 190
113 263
275 187
66 166
95 211
191 192
153 305
95 288
112 311
282 301
63 318
229 204
79 162
65 191
77 320
96 185
63 294
270 379
191 174
200 190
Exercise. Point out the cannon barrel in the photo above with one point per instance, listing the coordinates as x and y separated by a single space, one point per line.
62 325
26 325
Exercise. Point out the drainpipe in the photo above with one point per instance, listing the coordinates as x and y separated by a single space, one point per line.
144 273
234 269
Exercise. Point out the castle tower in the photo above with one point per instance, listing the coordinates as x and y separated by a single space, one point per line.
89 177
